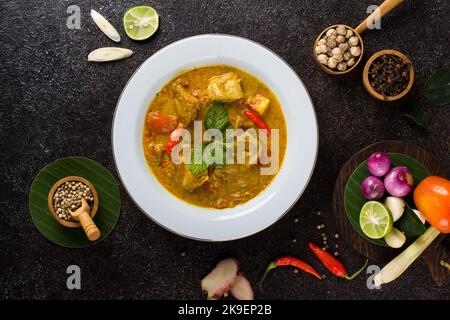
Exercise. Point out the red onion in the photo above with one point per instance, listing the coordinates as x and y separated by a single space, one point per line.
399 182
379 164
372 188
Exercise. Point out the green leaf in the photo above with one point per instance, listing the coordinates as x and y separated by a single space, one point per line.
418 114
216 117
109 200
437 88
354 200
410 224
196 168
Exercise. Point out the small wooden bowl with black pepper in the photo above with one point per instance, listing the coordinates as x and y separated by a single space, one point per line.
388 75
76 187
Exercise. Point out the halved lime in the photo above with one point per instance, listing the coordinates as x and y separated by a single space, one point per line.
140 22
375 220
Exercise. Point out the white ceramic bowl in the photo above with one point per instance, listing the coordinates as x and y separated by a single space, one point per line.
203 223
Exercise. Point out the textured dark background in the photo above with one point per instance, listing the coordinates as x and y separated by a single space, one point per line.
55 104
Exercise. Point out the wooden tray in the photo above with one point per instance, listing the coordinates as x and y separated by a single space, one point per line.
433 255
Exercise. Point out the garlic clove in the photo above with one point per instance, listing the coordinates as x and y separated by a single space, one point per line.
395 238
396 206
420 216
105 26
109 54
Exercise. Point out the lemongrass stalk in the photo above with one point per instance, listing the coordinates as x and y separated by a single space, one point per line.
399 264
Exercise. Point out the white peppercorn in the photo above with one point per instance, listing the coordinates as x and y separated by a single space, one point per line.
340 39
342 66
68 197
331 43
338 48
355 51
322 58
321 49
347 55
341 30
329 52
336 51
332 63
348 34
343 47
331 32
353 41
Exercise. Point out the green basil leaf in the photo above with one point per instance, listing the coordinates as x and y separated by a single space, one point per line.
216 117
196 168
437 88
418 114
410 224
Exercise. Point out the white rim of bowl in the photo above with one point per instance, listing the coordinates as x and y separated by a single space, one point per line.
315 155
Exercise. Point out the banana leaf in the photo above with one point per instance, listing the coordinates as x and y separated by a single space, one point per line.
437 88
109 200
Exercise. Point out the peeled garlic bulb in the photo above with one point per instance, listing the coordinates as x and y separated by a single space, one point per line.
105 26
109 54
396 206
395 238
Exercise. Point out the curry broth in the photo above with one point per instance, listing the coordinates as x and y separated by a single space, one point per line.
234 184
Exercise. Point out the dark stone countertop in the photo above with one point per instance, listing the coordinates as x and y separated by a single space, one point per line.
55 104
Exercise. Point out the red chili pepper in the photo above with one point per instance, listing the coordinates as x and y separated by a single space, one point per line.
293 262
256 119
174 138
333 264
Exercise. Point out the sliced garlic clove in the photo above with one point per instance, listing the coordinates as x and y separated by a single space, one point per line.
395 238
105 26
109 54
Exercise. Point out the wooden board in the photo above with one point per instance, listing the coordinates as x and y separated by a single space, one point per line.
433 254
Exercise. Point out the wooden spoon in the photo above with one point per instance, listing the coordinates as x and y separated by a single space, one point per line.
383 9
82 214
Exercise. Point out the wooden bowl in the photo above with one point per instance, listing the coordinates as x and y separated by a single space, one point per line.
331 71
369 87
51 208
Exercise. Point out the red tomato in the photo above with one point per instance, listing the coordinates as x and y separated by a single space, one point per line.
432 198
